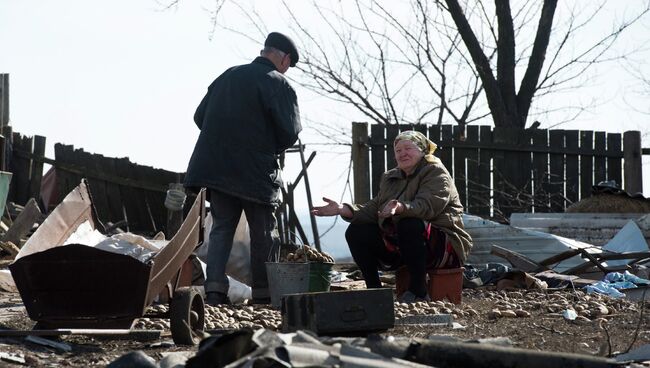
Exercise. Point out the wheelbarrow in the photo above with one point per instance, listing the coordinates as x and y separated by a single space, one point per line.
81 287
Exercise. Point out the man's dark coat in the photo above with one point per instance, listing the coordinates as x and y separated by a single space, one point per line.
249 115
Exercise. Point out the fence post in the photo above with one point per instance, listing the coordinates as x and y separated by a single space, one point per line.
4 99
360 164
632 169
37 167
21 167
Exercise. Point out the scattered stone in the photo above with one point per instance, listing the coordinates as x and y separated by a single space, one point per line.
522 313
494 314
582 319
134 359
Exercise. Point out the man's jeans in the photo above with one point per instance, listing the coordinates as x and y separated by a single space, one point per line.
226 212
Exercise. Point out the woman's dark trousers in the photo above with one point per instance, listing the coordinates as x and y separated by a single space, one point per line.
367 248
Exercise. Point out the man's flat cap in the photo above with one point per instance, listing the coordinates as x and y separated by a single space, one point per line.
283 43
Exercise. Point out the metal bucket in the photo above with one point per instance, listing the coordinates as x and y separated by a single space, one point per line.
286 278
319 276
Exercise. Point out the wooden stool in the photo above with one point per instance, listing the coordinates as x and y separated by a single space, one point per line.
441 283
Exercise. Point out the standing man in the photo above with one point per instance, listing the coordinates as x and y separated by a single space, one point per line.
249 116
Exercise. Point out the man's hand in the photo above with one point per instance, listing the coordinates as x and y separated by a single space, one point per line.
392 208
332 208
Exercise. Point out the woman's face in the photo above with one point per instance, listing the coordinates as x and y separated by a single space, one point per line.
408 155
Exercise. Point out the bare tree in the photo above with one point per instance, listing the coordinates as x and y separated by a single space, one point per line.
391 69
509 107
419 61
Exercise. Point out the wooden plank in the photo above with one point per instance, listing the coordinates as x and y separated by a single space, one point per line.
460 169
420 128
572 174
391 132
405 127
312 217
37 168
523 176
62 176
3 153
560 257
517 260
377 155
84 172
483 207
4 99
294 222
499 176
556 172
7 152
132 206
434 135
592 261
76 177
446 147
93 162
113 193
586 164
633 178
614 167
474 190
360 162
144 203
300 174
21 167
600 163
23 222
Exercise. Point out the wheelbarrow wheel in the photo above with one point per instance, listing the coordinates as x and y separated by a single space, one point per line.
187 316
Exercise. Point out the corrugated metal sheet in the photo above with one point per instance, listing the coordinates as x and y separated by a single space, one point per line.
535 245
593 228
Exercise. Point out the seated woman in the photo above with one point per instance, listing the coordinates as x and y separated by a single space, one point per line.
415 219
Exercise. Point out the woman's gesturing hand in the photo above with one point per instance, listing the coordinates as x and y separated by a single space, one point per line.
332 208
392 208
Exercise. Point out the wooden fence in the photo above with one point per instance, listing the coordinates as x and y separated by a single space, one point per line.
123 192
23 157
501 171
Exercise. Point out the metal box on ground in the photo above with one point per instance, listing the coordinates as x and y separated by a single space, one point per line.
351 312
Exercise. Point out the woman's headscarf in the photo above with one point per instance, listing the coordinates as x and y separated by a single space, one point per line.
421 141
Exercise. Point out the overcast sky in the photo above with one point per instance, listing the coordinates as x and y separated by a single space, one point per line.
123 78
